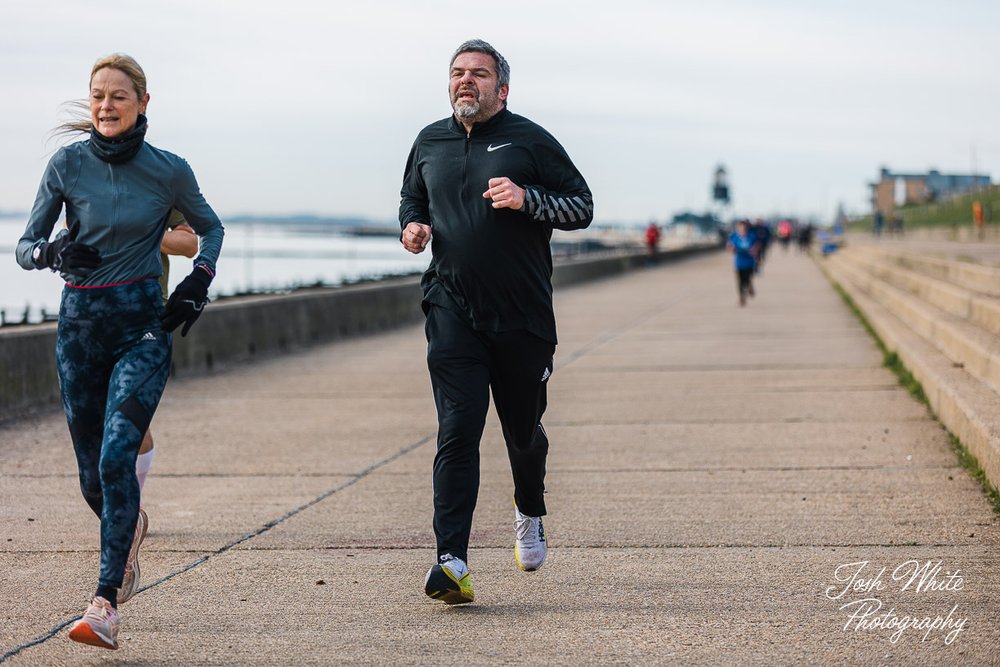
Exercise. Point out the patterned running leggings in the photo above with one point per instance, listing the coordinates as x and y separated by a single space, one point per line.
113 359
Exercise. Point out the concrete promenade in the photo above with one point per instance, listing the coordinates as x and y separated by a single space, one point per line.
717 474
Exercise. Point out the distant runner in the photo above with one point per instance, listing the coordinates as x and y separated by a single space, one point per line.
743 244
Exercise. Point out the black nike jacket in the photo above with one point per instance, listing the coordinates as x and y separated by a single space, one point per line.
494 266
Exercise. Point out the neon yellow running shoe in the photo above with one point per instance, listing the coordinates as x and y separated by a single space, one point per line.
450 581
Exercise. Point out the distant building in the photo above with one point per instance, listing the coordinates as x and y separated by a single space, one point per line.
920 188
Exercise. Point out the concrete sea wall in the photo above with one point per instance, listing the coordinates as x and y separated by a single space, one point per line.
239 330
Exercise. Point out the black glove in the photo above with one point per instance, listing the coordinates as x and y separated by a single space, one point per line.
67 256
187 301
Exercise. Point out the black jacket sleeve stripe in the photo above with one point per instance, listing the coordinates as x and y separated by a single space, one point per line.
564 210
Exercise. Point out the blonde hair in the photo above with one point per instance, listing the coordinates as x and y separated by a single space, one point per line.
79 110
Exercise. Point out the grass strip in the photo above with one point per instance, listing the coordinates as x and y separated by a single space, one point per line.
892 361
952 212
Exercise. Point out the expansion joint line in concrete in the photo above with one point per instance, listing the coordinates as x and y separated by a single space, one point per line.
606 338
52 632
622 546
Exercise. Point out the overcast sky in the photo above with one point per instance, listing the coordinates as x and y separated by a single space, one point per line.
297 106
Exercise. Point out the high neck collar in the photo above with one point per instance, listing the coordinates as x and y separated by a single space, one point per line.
482 126
122 148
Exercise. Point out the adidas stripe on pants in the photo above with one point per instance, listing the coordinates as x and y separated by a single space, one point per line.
465 365
113 359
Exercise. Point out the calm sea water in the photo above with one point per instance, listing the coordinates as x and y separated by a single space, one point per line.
256 258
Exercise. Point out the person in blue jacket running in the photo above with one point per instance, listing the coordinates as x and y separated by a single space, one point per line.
743 245
114 332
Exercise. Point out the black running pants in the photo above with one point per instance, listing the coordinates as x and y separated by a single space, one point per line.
465 365
745 279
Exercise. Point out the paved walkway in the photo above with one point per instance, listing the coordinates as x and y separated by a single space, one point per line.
712 467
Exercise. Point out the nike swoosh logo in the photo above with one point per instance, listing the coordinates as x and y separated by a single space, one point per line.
491 147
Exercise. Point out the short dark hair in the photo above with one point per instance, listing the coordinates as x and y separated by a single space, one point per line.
481 46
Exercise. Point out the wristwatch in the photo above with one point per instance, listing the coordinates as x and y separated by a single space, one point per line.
36 254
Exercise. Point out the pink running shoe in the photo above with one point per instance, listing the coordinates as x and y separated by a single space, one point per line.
99 625
130 582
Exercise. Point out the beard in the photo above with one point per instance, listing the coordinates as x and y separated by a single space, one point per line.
485 105
466 108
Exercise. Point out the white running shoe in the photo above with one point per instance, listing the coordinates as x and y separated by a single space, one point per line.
529 542
99 625
130 582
